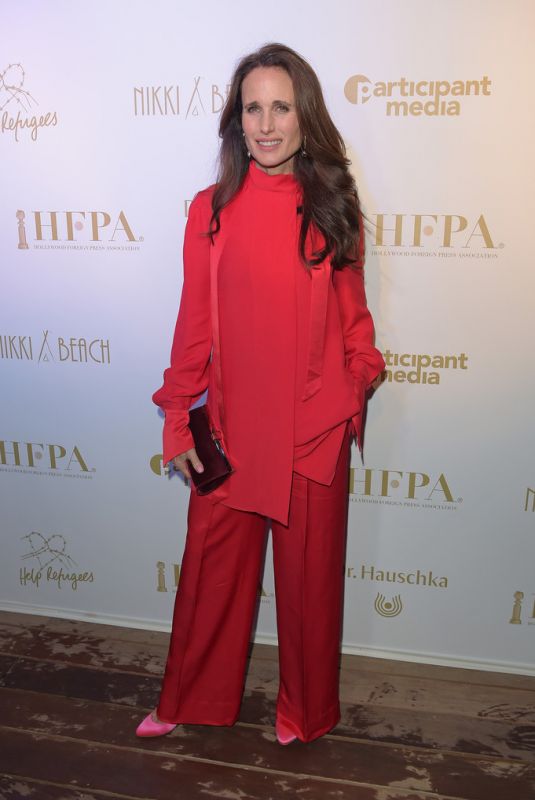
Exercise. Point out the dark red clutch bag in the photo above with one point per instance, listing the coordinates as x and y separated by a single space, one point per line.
210 452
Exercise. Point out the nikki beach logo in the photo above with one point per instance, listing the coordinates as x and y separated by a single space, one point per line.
43 350
17 105
197 99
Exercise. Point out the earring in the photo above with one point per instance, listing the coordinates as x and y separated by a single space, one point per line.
248 153
303 151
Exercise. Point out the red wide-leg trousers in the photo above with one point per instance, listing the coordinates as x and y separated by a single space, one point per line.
216 601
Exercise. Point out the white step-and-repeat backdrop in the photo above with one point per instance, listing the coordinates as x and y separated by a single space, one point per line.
108 120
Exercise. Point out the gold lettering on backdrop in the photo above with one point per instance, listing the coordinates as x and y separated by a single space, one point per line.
397 229
358 89
36 451
420 363
139 95
195 100
444 488
416 578
530 493
433 108
106 219
74 349
484 232
67 231
5 453
70 227
122 224
409 230
45 353
16 347
218 100
161 580
367 481
39 225
152 100
448 227
57 576
417 238
379 483
77 456
19 123
31 455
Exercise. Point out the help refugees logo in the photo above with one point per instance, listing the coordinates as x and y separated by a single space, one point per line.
16 105
47 551
49 562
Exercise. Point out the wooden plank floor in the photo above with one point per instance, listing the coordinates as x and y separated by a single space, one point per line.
72 693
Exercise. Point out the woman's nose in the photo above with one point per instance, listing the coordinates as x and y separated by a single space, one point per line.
266 123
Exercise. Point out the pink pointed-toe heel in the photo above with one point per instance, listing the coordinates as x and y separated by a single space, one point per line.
284 734
152 727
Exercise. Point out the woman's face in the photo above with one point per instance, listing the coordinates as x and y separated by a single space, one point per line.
269 119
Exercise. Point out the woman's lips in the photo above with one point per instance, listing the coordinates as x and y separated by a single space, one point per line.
268 144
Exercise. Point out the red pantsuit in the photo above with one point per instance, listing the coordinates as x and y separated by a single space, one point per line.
286 353
217 595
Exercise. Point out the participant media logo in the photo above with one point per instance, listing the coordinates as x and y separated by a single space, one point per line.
402 488
46 561
195 98
48 348
76 230
157 467
37 458
416 98
18 106
420 368
432 235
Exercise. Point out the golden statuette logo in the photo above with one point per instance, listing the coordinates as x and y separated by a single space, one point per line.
388 608
516 616
175 569
23 244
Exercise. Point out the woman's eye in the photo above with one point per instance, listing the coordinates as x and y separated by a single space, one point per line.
252 109
283 107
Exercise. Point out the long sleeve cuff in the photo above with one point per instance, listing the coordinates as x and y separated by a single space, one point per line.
177 436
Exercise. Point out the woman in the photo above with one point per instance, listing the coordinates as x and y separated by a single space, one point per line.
273 321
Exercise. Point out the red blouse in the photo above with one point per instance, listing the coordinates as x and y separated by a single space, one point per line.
295 346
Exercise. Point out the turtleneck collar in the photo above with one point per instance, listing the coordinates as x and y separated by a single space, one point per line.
277 183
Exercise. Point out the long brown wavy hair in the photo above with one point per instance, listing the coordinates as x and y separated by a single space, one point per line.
330 198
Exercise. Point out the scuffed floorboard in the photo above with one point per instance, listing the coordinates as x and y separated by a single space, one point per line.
72 694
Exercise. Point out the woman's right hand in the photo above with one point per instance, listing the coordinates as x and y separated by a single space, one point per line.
180 462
